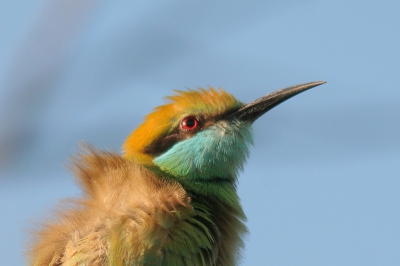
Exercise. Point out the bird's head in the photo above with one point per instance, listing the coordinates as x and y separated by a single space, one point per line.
201 137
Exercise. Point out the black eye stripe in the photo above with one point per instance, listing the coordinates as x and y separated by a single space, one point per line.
164 143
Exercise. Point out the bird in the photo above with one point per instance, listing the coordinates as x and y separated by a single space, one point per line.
170 198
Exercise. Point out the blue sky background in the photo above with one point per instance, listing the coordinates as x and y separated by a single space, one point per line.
322 184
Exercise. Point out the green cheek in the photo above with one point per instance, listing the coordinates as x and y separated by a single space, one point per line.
216 152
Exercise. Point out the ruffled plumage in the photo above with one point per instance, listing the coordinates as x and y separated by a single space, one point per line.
130 216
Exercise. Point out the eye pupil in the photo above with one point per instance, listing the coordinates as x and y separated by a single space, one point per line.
190 123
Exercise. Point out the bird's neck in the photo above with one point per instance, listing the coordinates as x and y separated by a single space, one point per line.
217 208
219 189
225 222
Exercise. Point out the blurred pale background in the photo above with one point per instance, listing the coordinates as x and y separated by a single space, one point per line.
322 185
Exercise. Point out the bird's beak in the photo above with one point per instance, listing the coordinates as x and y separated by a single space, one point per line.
252 111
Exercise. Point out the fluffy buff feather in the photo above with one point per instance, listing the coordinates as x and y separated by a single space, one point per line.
129 216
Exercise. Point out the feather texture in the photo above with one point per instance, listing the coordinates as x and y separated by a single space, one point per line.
130 216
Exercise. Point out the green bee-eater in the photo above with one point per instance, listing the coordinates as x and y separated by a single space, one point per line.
171 198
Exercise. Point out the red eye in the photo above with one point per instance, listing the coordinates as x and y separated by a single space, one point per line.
189 123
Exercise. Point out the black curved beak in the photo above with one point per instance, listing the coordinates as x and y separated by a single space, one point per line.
252 111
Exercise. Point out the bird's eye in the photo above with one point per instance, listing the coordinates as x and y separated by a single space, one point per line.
190 123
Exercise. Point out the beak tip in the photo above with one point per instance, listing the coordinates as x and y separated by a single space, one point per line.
314 84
